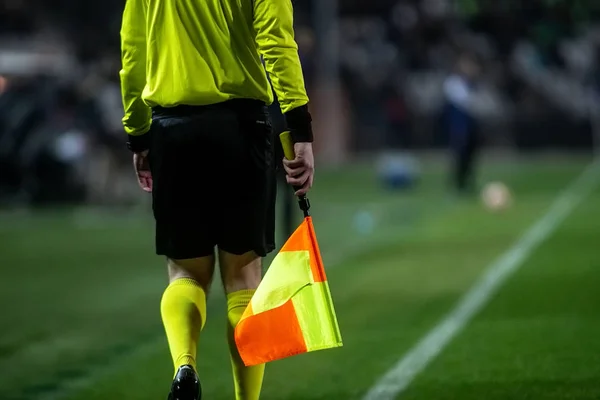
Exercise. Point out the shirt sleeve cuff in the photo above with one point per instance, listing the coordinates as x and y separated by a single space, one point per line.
299 123
138 143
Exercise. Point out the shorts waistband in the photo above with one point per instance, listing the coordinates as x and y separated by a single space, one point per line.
242 105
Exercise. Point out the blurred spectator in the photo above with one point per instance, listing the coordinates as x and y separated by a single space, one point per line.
399 136
461 119
306 49
16 18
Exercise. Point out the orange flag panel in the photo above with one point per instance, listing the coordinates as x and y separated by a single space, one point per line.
278 335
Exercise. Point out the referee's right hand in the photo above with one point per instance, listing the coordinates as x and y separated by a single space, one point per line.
301 170
142 170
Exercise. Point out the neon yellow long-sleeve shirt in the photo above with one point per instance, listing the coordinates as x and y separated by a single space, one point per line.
205 52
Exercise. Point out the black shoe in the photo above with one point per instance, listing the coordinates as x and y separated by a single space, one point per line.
186 385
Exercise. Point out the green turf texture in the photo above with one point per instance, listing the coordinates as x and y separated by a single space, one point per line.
80 298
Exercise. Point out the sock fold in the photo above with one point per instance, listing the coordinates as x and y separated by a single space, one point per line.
239 299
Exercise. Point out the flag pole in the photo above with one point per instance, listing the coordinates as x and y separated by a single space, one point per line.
288 151
304 204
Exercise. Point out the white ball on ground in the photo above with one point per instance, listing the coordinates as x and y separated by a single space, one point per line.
496 196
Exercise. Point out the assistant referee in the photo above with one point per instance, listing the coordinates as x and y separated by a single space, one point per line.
195 94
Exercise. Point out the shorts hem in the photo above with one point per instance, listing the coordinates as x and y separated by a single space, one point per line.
260 251
186 255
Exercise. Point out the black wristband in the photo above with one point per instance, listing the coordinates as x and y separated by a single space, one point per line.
299 123
138 143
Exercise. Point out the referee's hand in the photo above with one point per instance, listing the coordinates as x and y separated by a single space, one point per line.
301 170
142 170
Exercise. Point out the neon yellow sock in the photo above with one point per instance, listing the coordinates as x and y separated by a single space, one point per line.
247 380
183 310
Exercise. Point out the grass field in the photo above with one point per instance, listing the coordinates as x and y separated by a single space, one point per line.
80 297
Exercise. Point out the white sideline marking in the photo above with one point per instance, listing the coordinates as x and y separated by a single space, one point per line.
400 376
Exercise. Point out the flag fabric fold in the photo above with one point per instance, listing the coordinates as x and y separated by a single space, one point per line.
292 310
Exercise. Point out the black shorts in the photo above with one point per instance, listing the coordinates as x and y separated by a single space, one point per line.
214 183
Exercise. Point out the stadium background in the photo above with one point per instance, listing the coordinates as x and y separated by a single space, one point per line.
79 286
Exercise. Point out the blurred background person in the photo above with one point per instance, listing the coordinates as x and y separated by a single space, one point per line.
461 120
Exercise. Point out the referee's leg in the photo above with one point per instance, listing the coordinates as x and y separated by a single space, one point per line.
183 310
241 275
183 306
246 220
184 237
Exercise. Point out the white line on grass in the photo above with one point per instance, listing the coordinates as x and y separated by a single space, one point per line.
400 376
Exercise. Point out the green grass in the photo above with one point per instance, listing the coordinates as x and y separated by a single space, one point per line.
538 339
80 298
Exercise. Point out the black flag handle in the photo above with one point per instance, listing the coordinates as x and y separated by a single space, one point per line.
288 151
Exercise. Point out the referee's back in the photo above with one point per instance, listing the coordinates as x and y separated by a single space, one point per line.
200 52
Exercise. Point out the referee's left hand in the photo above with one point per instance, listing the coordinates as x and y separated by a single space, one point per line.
301 170
142 170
